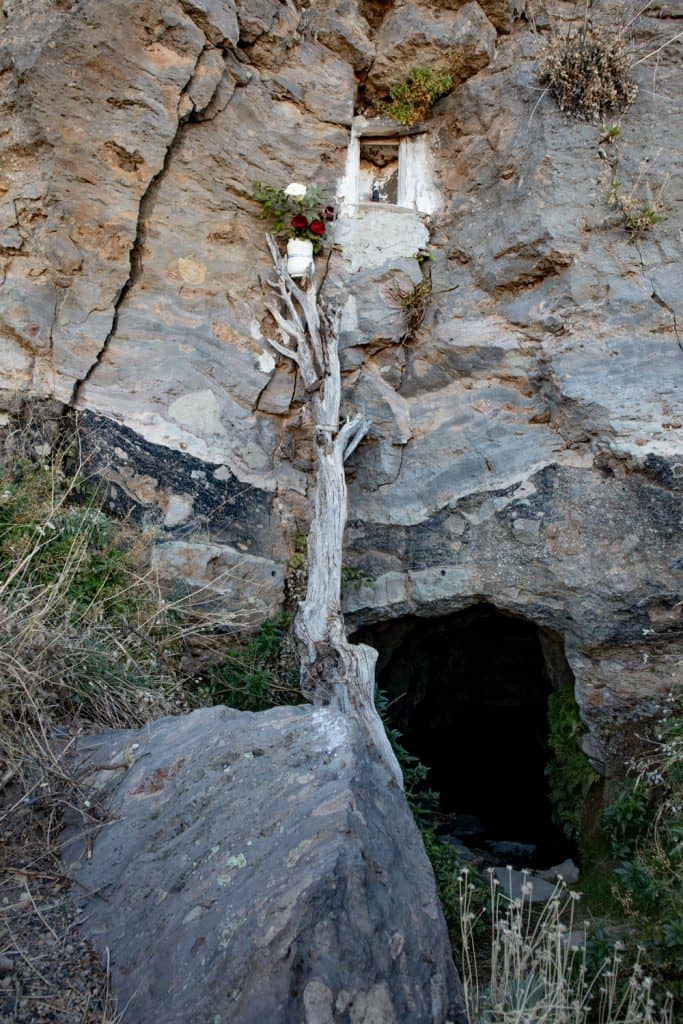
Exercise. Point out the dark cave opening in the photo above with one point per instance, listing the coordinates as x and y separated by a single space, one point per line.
469 693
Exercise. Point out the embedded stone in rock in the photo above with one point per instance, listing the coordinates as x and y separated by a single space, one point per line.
222 577
501 13
260 867
411 36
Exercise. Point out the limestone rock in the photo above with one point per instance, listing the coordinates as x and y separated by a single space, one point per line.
314 903
341 27
413 36
221 576
567 870
525 885
216 18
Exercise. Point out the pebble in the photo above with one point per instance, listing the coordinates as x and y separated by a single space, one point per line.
6 966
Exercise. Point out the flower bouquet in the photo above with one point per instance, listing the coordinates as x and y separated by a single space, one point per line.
298 213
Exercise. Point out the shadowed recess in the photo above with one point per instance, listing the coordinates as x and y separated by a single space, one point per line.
469 692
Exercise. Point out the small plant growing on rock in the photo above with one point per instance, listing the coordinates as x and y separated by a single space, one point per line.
352 577
570 775
412 301
588 72
640 209
411 101
610 133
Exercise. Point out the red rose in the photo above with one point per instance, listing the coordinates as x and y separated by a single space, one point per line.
316 227
299 222
329 213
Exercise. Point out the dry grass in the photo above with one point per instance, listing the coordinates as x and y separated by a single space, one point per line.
538 966
88 640
413 301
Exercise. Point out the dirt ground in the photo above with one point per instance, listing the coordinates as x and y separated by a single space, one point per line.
48 972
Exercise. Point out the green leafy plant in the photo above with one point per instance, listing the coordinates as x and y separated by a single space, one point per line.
644 826
297 211
625 820
570 776
352 577
411 101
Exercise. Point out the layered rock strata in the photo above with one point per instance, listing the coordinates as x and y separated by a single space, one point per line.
526 443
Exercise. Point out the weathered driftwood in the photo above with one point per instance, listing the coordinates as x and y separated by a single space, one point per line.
333 671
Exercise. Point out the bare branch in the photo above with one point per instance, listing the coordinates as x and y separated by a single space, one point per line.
351 434
333 671
288 353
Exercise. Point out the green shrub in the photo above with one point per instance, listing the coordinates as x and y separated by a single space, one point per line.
644 826
258 674
570 776
53 533
411 101
625 820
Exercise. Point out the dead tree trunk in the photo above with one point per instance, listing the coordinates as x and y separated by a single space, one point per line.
333 671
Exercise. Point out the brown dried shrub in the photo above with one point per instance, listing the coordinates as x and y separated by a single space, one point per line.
588 72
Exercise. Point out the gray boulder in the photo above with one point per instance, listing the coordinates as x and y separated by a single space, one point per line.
260 867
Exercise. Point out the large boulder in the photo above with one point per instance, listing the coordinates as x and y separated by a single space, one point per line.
260 867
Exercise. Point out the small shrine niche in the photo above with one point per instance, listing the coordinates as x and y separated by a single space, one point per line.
388 166
378 172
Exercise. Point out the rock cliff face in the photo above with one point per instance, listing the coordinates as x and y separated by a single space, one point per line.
526 443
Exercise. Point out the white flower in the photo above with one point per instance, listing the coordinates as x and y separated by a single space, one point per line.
296 190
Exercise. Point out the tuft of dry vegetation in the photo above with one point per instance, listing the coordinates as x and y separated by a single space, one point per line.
412 300
538 965
640 207
588 71
88 641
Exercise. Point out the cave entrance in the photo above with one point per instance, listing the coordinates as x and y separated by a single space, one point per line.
469 692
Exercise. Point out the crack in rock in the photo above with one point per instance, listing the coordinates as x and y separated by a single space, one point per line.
145 207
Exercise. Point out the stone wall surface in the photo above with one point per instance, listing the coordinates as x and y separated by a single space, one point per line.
526 443
313 904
